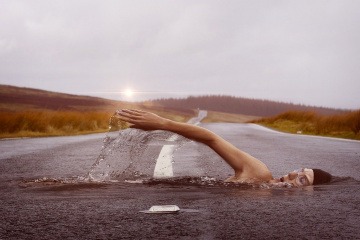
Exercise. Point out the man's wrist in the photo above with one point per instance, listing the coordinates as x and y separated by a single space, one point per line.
168 125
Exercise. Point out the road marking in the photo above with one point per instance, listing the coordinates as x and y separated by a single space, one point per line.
163 167
164 162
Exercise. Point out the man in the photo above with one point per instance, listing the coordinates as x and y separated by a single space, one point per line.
247 168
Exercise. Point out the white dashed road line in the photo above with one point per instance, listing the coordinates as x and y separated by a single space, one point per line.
163 167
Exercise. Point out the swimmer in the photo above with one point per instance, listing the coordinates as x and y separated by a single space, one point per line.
247 169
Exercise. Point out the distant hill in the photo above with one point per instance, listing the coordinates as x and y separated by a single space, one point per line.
238 105
19 99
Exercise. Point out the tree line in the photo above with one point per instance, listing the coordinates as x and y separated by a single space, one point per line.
238 105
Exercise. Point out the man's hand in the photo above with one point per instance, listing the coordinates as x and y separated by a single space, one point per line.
143 120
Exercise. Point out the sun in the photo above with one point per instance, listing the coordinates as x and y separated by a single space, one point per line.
128 92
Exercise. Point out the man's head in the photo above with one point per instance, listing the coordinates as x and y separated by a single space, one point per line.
321 176
306 177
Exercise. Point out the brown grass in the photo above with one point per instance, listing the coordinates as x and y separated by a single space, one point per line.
345 125
228 117
61 123
51 123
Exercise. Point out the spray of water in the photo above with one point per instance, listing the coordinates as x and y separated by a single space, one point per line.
129 153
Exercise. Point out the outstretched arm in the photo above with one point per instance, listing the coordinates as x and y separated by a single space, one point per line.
236 158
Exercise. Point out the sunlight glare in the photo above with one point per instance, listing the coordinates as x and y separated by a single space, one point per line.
128 92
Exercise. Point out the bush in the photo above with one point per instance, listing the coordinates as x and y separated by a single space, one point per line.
353 120
54 123
312 123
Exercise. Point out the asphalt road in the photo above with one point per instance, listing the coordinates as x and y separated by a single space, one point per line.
44 194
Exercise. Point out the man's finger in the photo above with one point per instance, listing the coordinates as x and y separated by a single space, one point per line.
132 112
138 111
127 119
127 114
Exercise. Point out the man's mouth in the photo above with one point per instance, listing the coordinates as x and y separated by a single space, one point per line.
282 179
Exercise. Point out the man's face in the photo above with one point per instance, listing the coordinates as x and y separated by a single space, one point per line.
299 178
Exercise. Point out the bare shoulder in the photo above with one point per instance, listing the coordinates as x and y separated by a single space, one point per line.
253 171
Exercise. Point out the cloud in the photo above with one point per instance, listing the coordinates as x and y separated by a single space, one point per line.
298 51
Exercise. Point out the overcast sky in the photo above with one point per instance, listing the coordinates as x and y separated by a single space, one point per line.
304 51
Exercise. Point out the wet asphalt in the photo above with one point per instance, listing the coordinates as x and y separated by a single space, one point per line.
34 208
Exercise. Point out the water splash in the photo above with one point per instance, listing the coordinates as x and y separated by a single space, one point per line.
129 153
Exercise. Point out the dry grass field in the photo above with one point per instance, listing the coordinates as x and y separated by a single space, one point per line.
61 123
228 117
346 125
52 123
26 112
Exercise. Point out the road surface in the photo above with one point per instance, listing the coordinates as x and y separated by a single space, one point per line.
44 195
